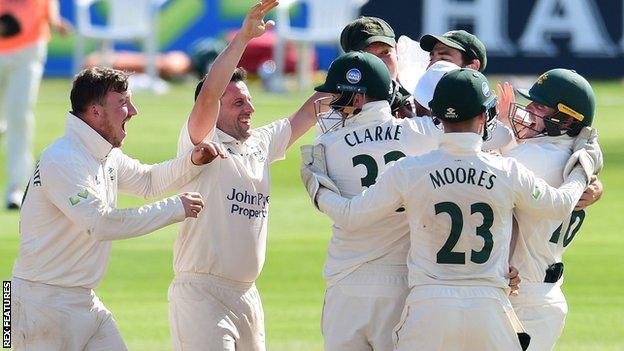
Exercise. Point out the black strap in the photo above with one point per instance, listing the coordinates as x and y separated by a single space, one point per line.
525 340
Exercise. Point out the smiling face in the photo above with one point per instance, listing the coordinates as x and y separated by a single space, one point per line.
531 123
387 54
115 111
235 111
441 52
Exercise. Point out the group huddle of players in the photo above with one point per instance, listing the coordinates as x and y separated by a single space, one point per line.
419 261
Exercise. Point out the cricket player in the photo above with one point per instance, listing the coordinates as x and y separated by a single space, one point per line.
365 270
69 217
561 103
457 46
213 300
458 203
375 36
25 28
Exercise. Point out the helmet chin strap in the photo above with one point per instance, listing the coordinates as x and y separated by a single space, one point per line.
350 110
344 104
560 127
552 129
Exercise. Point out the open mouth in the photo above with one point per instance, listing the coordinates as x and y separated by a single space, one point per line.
123 124
245 120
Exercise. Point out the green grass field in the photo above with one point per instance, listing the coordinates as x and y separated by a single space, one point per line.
135 286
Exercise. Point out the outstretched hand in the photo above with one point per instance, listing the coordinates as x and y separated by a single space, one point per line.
506 98
205 153
254 24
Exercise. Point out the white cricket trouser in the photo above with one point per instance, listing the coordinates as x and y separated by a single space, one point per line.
53 318
456 318
210 313
542 309
361 310
20 75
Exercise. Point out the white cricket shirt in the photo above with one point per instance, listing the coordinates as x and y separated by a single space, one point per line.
69 217
459 204
228 239
542 242
356 155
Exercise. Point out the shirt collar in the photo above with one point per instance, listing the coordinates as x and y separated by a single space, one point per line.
375 111
225 138
92 140
562 141
461 143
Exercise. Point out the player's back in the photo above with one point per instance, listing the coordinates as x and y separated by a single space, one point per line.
357 154
459 204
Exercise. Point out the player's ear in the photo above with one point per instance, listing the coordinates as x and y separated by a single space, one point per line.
474 64
359 100
95 110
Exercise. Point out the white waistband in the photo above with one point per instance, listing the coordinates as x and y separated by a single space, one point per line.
372 273
213 279
423 292
530 291
17 282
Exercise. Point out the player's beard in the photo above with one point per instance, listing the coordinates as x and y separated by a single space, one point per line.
109 131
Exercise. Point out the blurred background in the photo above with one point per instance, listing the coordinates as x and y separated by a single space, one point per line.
522 37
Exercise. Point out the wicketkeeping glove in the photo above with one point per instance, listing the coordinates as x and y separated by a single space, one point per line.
314 171
582 159
586 153
590 135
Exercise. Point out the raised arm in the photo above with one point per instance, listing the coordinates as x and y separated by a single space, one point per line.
58 23
203 117
302 120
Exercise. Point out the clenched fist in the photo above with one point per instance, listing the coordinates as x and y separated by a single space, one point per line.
205 153
193 204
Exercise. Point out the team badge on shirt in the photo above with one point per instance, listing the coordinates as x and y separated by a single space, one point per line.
537 192
75 200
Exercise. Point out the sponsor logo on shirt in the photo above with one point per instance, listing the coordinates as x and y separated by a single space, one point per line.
255 152
246 204
36 180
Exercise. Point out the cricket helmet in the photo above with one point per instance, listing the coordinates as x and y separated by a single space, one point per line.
350 74
567 93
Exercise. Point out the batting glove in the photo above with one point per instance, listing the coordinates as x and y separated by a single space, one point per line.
314 171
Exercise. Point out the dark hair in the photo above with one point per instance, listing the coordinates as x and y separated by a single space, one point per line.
239 75
92 84
467 58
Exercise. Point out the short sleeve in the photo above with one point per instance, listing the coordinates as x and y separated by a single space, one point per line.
275 137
